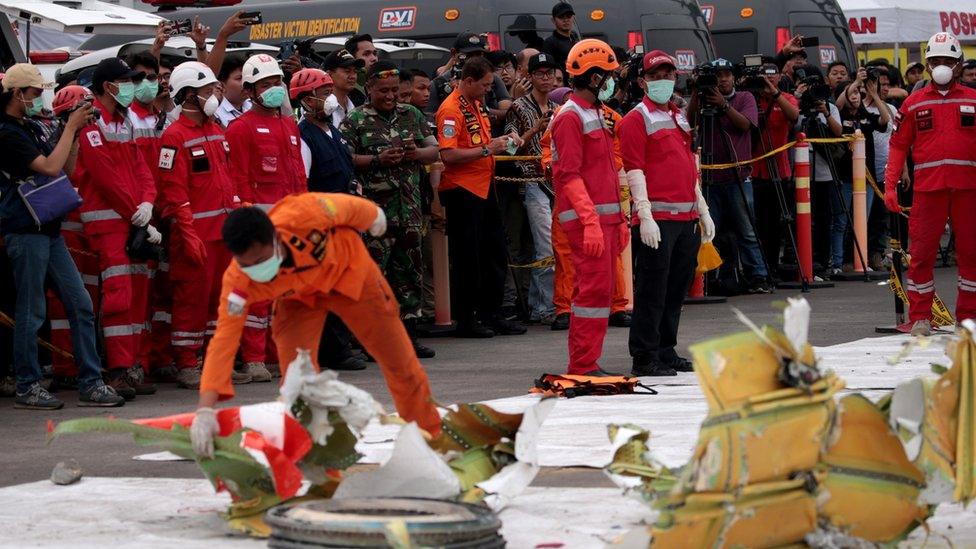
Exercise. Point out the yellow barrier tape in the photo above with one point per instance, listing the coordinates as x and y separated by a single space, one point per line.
791 144
880 193
544 262
941 315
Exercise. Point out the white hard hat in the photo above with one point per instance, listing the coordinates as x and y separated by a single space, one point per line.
943 44
191 74
260 66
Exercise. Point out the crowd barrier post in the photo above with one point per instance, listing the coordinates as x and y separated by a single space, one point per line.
804 224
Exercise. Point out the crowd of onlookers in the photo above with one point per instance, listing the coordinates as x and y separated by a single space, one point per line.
139 270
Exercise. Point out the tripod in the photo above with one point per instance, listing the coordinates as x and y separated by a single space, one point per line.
711 127
813 128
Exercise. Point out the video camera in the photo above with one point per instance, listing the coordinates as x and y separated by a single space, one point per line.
706 78
817 90
753 74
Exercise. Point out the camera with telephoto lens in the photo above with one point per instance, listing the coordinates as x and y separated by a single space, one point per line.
873 73
817 91
706 79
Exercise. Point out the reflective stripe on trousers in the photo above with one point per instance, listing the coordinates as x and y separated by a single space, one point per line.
591 312
99 215
601 209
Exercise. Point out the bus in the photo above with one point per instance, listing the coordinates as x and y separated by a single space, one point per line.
741 27
675 26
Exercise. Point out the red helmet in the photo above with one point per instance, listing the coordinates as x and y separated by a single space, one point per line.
69 96
307 80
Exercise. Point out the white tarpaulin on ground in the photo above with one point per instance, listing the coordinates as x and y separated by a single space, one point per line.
89 17
905 21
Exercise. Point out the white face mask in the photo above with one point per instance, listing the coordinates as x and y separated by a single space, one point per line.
330 105
210 105
942 75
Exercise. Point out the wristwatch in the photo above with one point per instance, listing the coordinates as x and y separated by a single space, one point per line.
484 151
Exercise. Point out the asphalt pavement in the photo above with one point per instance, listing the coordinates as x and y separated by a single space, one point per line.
463 371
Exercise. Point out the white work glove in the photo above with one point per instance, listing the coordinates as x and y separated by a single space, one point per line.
650 233
202 432
154 236
378 228
143 215
707 225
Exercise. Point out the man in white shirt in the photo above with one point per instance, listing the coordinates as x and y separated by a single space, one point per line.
344 70
234 103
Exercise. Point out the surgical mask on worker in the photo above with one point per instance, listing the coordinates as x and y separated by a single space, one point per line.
146 91
272 98
33 107
606 92
126 92
331 105
266 270
210 105
942 75
660 91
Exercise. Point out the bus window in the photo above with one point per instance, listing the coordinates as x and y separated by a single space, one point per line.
733 45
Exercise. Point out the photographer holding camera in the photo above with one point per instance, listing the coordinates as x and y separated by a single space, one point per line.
819 118
772 177
725 120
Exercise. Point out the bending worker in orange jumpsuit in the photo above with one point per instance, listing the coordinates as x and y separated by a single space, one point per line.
584 174
307 255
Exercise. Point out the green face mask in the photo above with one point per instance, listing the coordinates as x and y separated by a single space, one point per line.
266 270
146 91
34 107
127 91
272 98
660 91
608 89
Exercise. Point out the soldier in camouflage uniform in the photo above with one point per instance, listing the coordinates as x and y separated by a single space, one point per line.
390 143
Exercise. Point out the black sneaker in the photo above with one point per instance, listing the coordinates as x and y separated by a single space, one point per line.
423 351
654 368
680 364
620 319
100 396
560 323
348 364
37 398
503 326
474 330
760 287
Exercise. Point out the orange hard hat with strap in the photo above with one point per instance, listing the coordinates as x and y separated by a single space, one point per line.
307 80
590 54
68 97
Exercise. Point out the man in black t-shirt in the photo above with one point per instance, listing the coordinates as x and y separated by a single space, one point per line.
562 40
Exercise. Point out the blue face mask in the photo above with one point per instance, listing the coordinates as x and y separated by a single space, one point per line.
266 270
272 98
609 87
660 91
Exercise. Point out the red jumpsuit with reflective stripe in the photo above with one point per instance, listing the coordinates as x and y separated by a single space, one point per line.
113 179
587 190
87 262
196 193
940 130
266 160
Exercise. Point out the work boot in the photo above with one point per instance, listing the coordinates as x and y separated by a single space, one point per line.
165 374
560 323
239 378
600 372
259 374
189 378
653 368
503 326
680 364
8 387
473 330
136 378
922 328
274 369
37 398
761 287
117 381
100 395
620 319
423 351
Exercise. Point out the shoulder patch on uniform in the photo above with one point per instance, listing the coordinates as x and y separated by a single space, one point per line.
328 206
94 138
236 302
450 127
166 157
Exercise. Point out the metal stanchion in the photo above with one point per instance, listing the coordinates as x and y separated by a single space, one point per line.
804 224
859 206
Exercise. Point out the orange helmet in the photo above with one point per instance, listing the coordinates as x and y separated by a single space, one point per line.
68 97
588 54
307 80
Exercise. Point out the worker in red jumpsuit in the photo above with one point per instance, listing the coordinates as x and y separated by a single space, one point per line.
588 208
266 161
196 194
655 141
118 191
938 124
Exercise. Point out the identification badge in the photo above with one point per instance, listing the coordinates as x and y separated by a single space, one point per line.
197 152
166 157
263 130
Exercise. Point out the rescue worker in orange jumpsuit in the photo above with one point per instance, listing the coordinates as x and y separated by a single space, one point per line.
308 256
196 194
266 160
938 124
118 191
588 207
655 140
563 276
